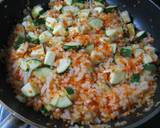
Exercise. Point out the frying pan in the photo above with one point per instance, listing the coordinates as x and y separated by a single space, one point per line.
146 16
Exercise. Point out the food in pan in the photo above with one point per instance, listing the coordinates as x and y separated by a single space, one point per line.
82 63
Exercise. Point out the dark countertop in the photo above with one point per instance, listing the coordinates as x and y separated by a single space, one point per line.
155 122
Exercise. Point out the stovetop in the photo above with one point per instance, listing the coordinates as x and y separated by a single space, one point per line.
153 123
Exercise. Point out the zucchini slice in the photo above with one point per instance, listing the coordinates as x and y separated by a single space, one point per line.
60 101
116 77
45 36
33 64
141 35
38 22
30 64
18 41
49 58
113 47
32 37
72 9
98 9
29 91
37 11
63 102
68 2
42 72
147 59
110 8
50 23
59 29
125 17
63 65
131 31
72 45
84 13
38 52
89 48
95 23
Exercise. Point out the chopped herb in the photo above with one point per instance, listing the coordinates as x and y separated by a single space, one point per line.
19 40
38 22
70 90
125 52
149 67
135 78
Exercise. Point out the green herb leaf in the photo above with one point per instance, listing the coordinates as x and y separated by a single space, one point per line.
38 22
135 78
19 40
149 67
70 90
125 52
101 1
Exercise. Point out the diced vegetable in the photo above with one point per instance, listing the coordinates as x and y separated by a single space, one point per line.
138 52
48 107
125 52
30 64
111 8
45 36
98 9
37 11
125 17
89 48
84 13
113 47
140 35
29 90
49 58
24 65
113 33
116 77
38 22
68 2
150 67
95 23
42 72
72 45
38 52
147 59
33 64
18 41
27 18
131 31
50 23
54 100
57 7
22 48
72 9
135 78
32 37
59 29
57 40
70 90
79 5
63 102
63 65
